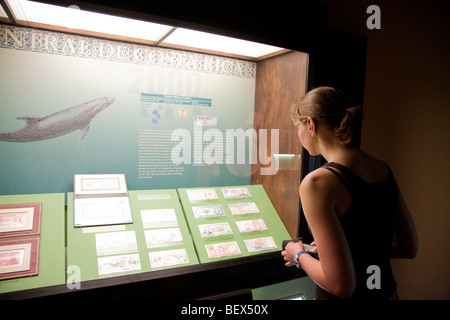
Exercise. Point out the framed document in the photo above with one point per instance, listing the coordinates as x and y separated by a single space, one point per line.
99 184
102 211
20 219
19 257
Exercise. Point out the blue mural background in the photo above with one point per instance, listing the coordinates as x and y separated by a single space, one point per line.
46 72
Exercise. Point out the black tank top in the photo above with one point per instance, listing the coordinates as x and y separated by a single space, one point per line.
368 225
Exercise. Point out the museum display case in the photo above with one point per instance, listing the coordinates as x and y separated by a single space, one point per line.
202 137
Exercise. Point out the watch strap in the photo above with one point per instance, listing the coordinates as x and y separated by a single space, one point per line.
297 256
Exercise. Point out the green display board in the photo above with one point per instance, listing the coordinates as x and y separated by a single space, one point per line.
231 222
157 239
170 228
51 249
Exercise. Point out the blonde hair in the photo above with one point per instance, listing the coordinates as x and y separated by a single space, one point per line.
331 107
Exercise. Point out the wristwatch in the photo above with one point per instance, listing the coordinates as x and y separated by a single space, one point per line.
298 256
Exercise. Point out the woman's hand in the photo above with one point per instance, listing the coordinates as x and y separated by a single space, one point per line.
314 250
291 250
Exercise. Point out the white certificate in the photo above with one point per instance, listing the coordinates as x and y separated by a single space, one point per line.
115 243
102 211
163 237
168 258
118 264
159 218
98 184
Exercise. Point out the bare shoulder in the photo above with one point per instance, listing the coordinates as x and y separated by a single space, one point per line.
318 181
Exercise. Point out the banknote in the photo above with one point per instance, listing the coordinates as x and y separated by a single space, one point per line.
236 193
159 218
208 211
201 194
243 208
168 258
20 217
18 257
163 237
117 264
13 220
251 225
115 242
224 249
260 244
215 229
11 258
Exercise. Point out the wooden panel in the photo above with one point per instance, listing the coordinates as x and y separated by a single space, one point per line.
279 81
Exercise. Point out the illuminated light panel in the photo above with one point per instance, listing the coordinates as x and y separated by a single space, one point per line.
74 18
208 41
286 155
3 13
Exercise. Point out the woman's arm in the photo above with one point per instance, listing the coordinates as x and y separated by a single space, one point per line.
335 271
405 243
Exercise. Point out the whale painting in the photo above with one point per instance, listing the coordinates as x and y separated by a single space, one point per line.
59 123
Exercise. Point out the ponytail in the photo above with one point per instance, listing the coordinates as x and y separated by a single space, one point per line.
331 107
349 130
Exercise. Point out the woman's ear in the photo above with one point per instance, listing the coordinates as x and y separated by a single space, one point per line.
312 126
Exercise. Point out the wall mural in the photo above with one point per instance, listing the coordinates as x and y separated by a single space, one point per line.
59 123
125 101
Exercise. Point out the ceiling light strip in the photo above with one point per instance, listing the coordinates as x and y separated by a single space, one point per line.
66 19
11 16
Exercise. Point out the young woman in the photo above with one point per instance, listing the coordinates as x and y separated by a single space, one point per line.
355 212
